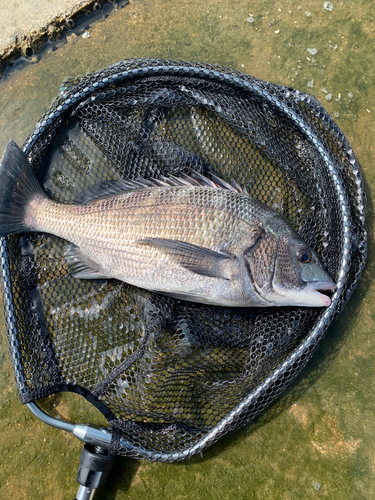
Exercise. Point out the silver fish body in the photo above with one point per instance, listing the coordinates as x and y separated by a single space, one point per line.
190 238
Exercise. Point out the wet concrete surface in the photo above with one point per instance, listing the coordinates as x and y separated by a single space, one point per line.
22 23
318 440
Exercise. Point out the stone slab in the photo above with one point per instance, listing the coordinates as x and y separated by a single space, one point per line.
22 23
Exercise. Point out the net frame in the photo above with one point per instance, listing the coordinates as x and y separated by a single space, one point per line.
351 205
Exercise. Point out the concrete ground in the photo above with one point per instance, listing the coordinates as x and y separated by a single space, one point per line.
317 442
23 24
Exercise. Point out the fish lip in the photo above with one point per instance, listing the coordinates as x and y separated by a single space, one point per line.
321 286
315 287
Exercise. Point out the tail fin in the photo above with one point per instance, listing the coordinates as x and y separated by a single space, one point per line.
18 186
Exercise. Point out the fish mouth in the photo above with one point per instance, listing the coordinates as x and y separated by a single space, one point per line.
315 287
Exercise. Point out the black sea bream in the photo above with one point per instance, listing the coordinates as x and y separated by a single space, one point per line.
190 238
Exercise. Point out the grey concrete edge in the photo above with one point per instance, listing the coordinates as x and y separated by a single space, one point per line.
52 29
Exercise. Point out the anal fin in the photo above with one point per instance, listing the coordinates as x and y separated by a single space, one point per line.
81 266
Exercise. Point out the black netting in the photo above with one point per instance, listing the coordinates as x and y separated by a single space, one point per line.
173 376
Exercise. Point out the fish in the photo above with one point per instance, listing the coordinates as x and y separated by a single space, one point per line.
190 237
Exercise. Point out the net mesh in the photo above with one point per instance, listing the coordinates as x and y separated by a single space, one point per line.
170 376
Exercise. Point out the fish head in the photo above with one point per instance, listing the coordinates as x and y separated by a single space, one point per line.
287 272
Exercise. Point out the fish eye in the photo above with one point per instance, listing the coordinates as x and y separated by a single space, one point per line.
304 255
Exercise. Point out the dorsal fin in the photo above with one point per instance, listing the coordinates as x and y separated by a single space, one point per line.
200 180
197 179
237 187
106 189
224 185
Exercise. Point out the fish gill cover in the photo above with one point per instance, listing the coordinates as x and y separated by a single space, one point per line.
172 376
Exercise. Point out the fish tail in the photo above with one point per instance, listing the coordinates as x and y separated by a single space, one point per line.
18 187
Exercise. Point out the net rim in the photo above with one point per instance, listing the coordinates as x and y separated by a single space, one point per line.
136 68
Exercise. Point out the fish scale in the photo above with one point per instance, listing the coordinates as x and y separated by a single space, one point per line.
165 218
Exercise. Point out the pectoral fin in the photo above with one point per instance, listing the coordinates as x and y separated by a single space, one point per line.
81 266
199 260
